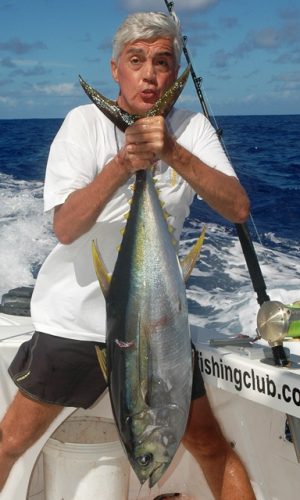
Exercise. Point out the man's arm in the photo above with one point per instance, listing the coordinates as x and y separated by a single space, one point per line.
81 209
146 141
221 192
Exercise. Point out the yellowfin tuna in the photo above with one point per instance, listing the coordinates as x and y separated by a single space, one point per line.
149 361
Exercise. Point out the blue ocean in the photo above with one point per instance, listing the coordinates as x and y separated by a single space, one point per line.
265 152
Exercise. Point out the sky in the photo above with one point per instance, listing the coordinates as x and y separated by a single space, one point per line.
246 51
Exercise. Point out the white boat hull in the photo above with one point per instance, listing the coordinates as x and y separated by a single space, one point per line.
240 387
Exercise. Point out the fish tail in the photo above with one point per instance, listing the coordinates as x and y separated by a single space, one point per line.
121 118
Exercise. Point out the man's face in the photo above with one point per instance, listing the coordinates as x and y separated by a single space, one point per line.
145 69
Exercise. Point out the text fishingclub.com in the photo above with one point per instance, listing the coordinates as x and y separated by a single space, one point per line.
249 380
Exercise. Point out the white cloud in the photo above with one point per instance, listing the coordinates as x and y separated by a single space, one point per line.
7 101
270 38
250 98
17 46
199 4
187 99
267 38
288 82
62 89
153 5
34 62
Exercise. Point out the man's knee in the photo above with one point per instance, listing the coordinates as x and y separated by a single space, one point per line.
11 445
23 424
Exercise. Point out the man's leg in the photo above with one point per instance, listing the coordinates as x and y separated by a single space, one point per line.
223 470
25 422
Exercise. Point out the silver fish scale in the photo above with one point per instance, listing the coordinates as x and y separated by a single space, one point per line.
161 291
148 341
149 315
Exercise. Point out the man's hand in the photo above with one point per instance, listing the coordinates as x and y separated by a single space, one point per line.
146 141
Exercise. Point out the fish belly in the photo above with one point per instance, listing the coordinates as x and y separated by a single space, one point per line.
148 340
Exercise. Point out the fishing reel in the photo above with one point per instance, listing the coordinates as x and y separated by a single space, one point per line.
277 322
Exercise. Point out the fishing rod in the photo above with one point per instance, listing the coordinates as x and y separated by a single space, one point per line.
248 249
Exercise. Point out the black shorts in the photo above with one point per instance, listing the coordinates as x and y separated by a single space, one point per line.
66 372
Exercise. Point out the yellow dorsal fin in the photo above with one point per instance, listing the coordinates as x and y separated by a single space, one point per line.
100 268
188 262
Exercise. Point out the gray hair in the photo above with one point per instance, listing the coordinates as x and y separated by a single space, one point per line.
146 26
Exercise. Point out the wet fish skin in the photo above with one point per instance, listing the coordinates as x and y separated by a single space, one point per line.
148 341
149 361
110 108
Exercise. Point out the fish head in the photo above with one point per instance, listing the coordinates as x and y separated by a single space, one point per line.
152 456
156 437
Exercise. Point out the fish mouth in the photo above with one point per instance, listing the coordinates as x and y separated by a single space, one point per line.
157 474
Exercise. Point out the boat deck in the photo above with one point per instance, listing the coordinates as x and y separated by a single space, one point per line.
250 397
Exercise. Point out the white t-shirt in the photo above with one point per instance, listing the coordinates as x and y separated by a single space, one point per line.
67 299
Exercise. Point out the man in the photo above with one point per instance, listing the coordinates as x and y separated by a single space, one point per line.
89 186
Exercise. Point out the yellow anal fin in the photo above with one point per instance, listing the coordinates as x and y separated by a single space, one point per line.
101 271
101 355
188 262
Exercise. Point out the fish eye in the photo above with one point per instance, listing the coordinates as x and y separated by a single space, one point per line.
145 460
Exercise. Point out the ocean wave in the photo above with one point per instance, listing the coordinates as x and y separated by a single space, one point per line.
26 234
220 292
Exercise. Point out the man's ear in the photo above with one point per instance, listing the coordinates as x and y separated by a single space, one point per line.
114 70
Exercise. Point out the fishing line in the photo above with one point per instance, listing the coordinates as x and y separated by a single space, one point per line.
249 252
205 104
254 270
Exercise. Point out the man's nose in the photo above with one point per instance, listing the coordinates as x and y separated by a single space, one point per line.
149 71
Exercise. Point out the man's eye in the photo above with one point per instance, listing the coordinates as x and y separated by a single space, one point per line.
135 60
163 65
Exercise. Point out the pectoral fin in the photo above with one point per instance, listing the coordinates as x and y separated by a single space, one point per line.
101 271
188 262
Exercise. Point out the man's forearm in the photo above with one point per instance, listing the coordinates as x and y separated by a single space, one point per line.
221 192
82 207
